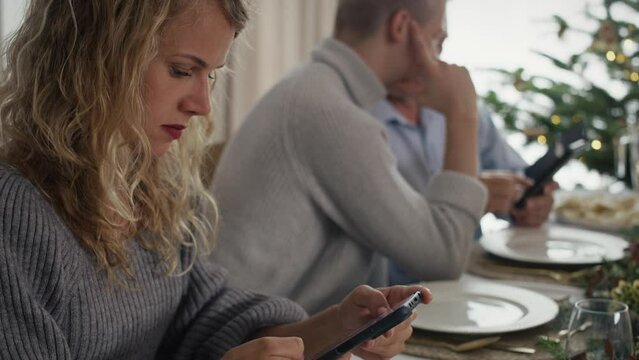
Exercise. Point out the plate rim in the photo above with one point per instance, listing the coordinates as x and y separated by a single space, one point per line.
541 308
497 245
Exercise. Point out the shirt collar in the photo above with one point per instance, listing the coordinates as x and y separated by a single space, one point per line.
388 114
362 83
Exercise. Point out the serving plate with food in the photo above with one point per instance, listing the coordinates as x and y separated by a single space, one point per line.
599 210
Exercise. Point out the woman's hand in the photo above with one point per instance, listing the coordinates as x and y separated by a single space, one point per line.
333 325
389 344
281 348
365 303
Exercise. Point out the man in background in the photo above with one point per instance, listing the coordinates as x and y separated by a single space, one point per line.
309 193
417 136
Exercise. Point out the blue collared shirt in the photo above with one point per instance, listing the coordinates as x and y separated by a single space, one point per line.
419 149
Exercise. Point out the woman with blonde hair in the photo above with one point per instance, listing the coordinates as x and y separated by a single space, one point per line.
104 220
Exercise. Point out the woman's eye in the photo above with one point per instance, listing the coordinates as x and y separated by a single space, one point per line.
177 72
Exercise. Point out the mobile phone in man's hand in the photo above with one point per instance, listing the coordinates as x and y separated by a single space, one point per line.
569 145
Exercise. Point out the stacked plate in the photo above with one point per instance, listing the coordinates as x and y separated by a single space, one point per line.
554 245
485 307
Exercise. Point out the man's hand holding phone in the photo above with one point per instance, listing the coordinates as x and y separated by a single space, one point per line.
506 188
536 209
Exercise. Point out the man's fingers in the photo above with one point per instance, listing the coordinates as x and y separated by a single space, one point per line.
550 188
424 54
535 212
524 181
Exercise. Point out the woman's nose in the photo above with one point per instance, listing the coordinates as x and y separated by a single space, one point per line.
198 101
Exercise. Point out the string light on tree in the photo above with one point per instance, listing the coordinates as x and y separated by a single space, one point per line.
629 46
542 139
596 145
601 104
621 58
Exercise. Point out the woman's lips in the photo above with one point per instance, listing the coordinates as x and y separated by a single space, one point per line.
175 131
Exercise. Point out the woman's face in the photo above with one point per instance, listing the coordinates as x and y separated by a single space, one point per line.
177 82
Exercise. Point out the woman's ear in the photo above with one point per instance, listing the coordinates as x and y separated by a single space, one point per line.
399 26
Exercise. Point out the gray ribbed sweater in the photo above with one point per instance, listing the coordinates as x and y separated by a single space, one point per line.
311 198
54 305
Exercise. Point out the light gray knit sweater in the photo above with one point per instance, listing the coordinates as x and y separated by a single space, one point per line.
311 198
55 305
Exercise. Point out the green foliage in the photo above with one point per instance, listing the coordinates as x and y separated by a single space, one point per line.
627 292
552 346
618 279
548 106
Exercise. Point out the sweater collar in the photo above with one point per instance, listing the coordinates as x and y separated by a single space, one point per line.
365 87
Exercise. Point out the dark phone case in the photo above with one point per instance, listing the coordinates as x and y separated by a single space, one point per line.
570 144
375 327
541 172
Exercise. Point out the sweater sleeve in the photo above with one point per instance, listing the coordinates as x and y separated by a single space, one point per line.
495 152
342 156
214 318
32 296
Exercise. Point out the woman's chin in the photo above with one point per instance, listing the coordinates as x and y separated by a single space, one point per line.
160 149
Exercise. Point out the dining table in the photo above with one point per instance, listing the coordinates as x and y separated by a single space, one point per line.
558 292
551 281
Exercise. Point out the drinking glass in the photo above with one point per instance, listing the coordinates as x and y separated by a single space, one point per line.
600 329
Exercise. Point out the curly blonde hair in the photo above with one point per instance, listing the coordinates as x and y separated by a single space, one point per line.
72 113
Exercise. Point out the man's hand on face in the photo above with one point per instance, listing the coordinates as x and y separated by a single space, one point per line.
434 83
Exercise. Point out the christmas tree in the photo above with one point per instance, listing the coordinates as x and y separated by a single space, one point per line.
545 107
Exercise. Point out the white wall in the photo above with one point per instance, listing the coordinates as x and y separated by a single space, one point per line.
279 37
502 34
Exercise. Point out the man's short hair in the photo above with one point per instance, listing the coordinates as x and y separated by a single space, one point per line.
362 18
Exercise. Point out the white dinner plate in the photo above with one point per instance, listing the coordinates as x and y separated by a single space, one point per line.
482 307
554 244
